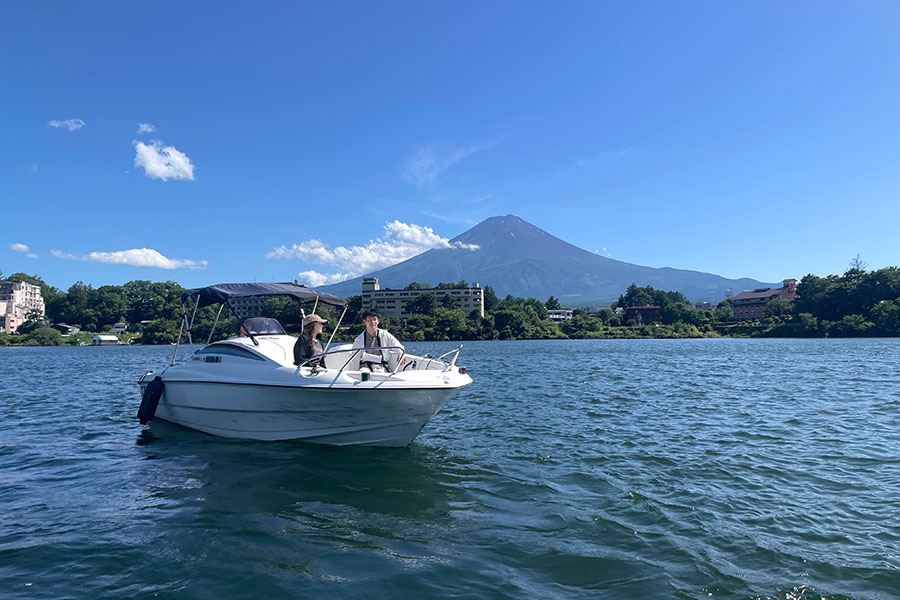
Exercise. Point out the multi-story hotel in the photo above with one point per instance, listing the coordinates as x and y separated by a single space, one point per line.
395 303
752 305
18 301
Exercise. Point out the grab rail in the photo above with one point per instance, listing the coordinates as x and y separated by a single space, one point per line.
355 352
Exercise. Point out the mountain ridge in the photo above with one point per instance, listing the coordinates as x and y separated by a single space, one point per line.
516 257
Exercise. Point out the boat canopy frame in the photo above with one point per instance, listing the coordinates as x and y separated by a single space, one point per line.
222 293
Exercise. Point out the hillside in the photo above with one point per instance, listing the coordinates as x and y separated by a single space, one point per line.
515 257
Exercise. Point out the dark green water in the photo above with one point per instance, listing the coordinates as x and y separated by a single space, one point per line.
574 469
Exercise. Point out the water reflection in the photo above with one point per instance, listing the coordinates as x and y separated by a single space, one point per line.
252 477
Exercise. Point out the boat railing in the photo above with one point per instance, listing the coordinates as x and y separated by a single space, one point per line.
355 353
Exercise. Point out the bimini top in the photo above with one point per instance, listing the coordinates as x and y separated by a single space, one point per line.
222 292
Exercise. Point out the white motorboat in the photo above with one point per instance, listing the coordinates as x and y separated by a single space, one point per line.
248 386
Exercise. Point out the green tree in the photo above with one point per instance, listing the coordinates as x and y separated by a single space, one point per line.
511 324
552 304
159 331
809 325
490 299
449 324
723 311
449 302
778 307
108 306
423 305
45 336
886 317
29 327
850 326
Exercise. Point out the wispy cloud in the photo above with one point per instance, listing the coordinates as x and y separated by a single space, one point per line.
162 162
70 124
399 242
456 219
32 255
19 247
146 128
33 168
423 168
136 257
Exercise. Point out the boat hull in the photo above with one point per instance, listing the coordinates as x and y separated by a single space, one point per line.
326 415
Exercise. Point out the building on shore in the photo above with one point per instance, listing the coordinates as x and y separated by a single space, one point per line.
397 303
66 329
752 304
559 314
19 300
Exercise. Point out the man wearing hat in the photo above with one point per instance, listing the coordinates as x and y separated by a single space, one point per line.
307 345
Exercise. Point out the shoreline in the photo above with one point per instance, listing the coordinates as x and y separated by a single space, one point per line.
465 341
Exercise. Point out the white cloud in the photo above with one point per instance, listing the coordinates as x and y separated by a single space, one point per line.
70 124
315 279
136 257
162 162
423 168
146 128
19 248
400 242
32 255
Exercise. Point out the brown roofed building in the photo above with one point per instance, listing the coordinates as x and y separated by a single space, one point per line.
751 305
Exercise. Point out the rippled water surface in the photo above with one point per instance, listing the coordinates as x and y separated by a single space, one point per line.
571 469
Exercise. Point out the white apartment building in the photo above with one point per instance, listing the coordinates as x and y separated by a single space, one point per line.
18 300
394 303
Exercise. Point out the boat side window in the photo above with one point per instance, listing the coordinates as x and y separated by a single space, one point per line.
229 350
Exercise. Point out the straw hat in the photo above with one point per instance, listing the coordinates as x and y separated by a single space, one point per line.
313 318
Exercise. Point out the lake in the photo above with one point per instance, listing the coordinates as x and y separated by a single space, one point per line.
716 468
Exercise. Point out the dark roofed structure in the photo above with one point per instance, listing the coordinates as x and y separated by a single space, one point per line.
752 304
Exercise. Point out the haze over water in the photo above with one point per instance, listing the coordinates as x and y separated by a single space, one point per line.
721 468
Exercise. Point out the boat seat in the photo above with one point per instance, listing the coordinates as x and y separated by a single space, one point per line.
337 360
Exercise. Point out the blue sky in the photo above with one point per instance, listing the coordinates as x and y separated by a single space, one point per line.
212 142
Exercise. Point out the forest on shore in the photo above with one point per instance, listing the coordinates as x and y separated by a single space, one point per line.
858 303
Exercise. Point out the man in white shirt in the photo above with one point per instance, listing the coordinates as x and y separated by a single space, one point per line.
373 337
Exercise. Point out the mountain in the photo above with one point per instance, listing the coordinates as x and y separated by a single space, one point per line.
515 257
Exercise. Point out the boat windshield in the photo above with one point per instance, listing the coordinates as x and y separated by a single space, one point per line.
261 326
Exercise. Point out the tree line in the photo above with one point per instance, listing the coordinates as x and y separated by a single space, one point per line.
857 303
